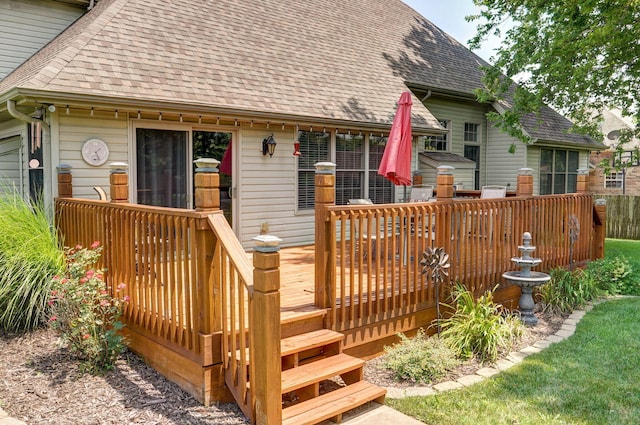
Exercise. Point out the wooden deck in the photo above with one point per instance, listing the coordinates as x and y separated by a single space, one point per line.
297 277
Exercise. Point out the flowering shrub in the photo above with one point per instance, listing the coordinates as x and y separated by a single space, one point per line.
83 311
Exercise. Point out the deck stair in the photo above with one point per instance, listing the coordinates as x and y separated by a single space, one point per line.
319 381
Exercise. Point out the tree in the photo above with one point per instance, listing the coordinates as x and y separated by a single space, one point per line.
575 55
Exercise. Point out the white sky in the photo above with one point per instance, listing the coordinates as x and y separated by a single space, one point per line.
449 16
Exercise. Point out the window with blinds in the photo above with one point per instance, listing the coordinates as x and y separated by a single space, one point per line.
380 189
314 147
349 167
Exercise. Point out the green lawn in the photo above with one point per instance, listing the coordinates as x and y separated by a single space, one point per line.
627 248
592 377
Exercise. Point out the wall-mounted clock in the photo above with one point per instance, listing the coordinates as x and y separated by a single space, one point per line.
95 152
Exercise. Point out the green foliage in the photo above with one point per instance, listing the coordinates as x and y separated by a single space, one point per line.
479 327
614 276
84 312
590 378
420 359
29 257
567 290
575 56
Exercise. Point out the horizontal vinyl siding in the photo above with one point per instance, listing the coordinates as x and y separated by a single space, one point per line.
502 166
267 189
74 130
458 114
27 25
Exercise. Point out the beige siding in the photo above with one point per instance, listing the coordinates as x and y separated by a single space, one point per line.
74 130
502 166
27 25
459 113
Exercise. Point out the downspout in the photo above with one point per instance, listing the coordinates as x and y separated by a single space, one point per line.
46 147
91 4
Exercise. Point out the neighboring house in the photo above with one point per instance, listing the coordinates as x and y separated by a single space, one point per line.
619 180
163 83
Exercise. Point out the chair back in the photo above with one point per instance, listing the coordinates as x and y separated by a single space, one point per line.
360 202
421 193
493 192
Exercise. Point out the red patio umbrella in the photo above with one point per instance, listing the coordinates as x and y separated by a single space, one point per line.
396 160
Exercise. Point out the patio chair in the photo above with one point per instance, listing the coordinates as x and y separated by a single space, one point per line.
489 192
101 193
382 235
421 193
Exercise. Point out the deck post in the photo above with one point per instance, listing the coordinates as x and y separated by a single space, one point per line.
325 187
207 184
65 181
582 185
265 333
525 182
444 193
119 182
600 227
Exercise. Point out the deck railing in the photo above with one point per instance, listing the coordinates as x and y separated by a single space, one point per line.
374 255
155 252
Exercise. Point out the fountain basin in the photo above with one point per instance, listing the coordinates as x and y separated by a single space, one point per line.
528 280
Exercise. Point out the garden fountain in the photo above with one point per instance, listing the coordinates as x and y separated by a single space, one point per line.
526 279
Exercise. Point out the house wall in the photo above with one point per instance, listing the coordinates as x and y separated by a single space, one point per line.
12 135
459 113
502 166
27 25
597 177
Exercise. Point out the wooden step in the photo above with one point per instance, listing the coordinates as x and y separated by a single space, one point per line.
313 373
301 319
332 404
309 340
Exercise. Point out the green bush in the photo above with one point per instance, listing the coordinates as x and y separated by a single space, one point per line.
479 327
567 290
29 257
614 276
84 312
420 359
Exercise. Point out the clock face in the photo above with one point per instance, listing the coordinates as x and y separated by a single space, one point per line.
95 152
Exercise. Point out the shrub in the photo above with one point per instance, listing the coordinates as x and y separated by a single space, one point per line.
84 312
614 276
29 257
567 290
420 359
479 327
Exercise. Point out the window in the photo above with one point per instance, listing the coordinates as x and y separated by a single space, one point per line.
614 180
380 189
472 152
349 167
356 172
558 171
36 168
439 142
471 132
314 147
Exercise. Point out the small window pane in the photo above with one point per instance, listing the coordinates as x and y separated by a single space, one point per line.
471 132
574 162
314 147
560 165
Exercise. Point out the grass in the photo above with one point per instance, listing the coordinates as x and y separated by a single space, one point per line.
589 378
626 248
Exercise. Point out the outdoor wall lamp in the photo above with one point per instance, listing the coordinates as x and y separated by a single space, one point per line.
268 146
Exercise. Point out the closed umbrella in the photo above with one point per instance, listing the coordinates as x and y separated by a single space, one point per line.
396 160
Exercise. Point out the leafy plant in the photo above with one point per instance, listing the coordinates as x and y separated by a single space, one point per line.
420 359
29 257
614 276
567 290
84 312
479 327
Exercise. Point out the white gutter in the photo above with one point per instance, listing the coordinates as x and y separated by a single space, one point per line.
46 149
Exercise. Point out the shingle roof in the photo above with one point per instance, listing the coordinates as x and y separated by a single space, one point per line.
312 58
329 59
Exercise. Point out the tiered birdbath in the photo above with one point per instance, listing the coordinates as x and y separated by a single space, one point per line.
526 279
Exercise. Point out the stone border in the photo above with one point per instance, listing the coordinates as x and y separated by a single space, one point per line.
568 328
